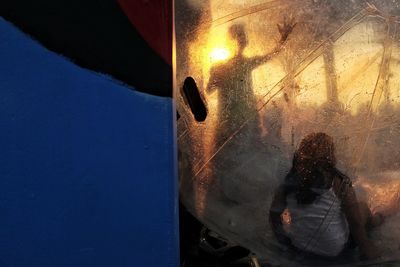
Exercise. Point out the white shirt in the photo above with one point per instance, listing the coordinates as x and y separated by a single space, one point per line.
319 227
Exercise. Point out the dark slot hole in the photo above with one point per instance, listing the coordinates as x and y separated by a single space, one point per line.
194 100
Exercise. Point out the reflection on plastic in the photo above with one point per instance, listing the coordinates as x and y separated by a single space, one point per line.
337 72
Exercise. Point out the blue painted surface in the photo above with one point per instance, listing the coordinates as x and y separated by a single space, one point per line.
87 166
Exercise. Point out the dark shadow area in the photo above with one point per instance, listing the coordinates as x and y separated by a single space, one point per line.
95 35
194 99
198 248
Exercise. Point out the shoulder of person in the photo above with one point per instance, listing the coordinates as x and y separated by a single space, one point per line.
341 182
344 179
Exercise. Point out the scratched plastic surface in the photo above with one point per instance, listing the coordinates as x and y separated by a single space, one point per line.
338 73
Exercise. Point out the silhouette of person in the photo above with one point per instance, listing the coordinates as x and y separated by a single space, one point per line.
233 81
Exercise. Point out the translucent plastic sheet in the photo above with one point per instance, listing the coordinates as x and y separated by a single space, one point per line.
337 73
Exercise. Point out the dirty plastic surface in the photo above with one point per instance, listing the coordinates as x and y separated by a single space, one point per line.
338 73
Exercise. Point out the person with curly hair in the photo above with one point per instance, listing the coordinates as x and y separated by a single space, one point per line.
325 215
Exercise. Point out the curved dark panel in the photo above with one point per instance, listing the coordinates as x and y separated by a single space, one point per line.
95 34
153 19
194 99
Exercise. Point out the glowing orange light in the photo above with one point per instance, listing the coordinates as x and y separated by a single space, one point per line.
382 196
219 54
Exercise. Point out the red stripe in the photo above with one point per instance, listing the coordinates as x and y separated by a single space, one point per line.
153 20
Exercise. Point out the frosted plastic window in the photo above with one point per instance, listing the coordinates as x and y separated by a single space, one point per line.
274 77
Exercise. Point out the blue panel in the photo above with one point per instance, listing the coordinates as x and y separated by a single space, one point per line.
87 166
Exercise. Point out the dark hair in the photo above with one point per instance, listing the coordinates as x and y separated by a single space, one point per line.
313 166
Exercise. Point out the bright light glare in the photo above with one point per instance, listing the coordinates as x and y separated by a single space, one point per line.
219 54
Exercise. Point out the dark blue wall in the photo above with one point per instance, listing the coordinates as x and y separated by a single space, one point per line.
87 166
